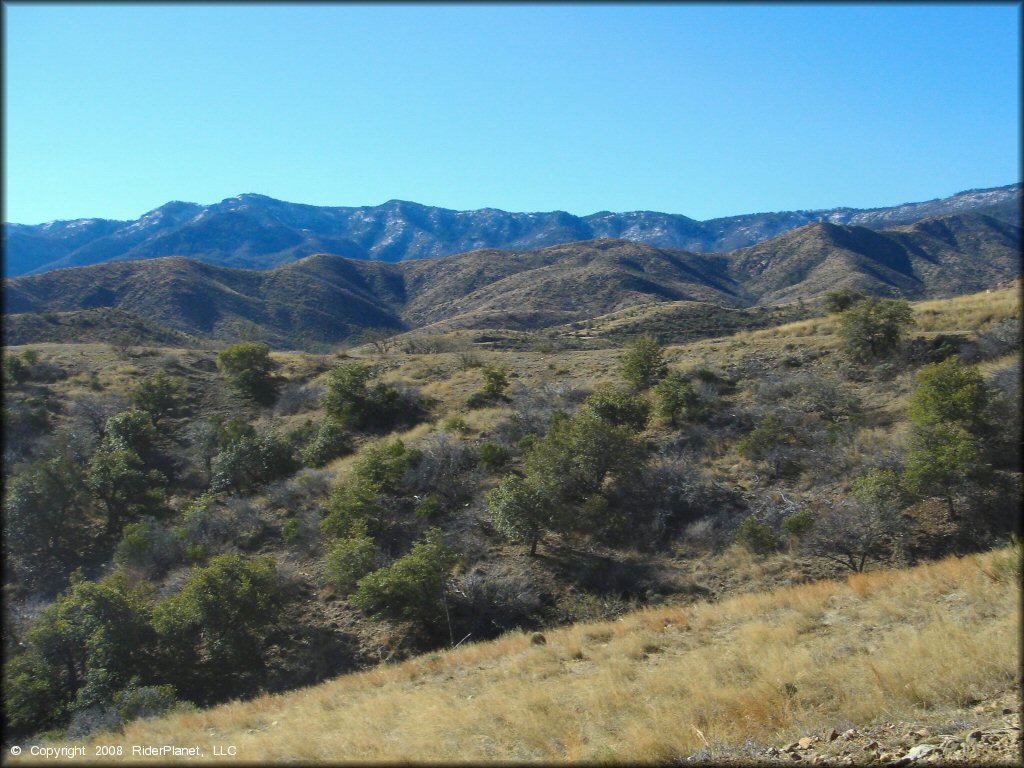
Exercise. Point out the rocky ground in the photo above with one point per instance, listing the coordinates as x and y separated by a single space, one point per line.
989 733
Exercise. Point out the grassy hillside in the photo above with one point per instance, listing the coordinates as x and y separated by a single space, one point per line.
653 507
719 679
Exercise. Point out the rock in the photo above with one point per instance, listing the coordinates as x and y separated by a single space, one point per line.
831 735
806 742
920 751
791 747
538 639
870 745
923 733
974 735
849 734
795 756
1007 711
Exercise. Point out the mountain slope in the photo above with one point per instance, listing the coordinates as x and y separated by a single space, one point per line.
255 231
328 298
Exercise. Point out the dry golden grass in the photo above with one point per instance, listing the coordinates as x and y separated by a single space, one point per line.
656 684
974 312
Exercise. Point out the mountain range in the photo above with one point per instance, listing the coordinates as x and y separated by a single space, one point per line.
328 298
257 232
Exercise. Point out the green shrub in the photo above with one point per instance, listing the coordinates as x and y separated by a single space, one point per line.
413 587
757 537
676 400
872 328
148 547
642 361
145 701
251 462
797 524
354 403
330 442
248 367
290 531
765 436
157 395
429 508
493 455
619 408
350 559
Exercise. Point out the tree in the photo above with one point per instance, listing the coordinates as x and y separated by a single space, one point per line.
872 328
132 429
842 299
677 400
618 408
212 633
496 379
248 367
157 395
350 399
952 393
642 361
250 462
941 459
350 559
520 511
79 651
330 441
118 477
413 587
756 536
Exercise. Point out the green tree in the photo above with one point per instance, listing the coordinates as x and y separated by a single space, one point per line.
520 511
118 477
676 400
352 401
757 537
213 633
79 651
132 429
952 393
157 395
618 408
942 458
642 362
842 299
330 441
350 559
413 587
249 369
250 462
496 381
872 328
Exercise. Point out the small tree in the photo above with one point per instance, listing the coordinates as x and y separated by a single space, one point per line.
496 380
248 367
941 459
350 559
872 328
642 361
413 587
949 392
520 511
250 462
676 400
354 403
330 441
157 395
618 408
842 299
757 537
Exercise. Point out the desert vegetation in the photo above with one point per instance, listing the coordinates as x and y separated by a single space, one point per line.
187 526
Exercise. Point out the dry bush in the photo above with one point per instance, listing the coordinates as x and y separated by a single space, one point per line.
297 398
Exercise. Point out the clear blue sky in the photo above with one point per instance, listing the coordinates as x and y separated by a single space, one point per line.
113 110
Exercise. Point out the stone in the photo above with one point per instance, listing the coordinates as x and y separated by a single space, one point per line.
806 742
791 747
538 639
831 735
923 733
870 745
849 734
1007 711
974 735
920 751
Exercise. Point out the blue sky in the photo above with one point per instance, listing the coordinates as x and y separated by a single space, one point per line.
112 110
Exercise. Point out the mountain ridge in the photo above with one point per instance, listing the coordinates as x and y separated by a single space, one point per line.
327 298
258 232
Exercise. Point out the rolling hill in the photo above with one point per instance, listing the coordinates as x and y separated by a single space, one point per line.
257 232
325 298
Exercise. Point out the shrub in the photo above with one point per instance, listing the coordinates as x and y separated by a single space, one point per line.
676 400
350 559
147 547
493 455
413 587
330 442
429 508
145 701
619 408
251 462
797 524
350 400
519 510
157 395
248 368
642 361
212 633
949 392
872 328
496 380
756 536
842 299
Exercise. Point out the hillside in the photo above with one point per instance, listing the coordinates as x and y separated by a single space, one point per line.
326 299
257 232
377 506
727 681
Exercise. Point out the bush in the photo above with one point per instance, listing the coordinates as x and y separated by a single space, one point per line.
842 299
350 559
493 456
797 524
212 633
251 462
330 442
619 408
872 328
350 400
757 537
642 361
147 547
157 395
676 400
413 587
248 368
145 701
